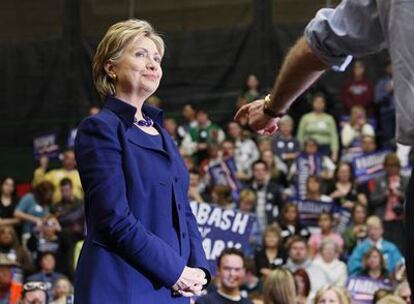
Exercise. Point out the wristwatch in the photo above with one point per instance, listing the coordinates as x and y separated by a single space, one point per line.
268 111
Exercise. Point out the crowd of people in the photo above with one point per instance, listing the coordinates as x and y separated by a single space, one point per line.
289 258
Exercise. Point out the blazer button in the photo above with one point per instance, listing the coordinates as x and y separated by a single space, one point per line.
176 179
179 206
184 235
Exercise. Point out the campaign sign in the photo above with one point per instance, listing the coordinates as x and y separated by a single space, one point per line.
71 138
45 145
221 228
309 210
224 173
344 218
306 165
369 166
362 289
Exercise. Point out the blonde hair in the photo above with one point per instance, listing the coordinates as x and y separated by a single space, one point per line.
341 293
113 45
272 228
279 287
247 194
374 220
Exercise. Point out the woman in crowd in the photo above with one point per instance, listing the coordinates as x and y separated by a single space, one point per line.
277 169
303 285
332 295
10 247
33 207
272 254
279 287
357 230
8 201
358 126
314 191
143 243
290 223
328 260
61 291
321 127
373 266
251 88
326 225
343 190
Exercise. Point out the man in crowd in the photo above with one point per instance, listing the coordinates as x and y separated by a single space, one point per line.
231 273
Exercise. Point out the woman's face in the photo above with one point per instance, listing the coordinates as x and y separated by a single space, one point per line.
344 173
328 252
267 156
300 285
6 236
318 104
271 239
246 205
359 215
313 186
290 214
252 82
7 187
325 222
329 297
374 260
62 288
139 68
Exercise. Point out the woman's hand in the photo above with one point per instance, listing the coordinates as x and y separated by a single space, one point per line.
257 119
190 282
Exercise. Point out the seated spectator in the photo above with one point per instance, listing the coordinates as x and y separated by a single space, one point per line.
344 191
201 136
391 299
8 202
403 291
290 223
310 162
10 288
47 274
246 151
10 247
321 127
314 191
170 125
269 198
381 294
356 232
231 272
33 207
252 284
332 295
326 225
390 252
62 290
247 203
302 283
387 199
357 90
279 287
358 126
298 258
35 292
272 254
68 170
221 196
277 168
284 145
373 266
40 172
70 212
251 88
328 260
195 188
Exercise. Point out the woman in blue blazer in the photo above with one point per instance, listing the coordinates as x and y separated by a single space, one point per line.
142 243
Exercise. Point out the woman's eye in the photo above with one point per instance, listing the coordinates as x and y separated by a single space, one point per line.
140 54
157 59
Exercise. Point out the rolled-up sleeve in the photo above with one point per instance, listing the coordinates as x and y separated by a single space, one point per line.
353 28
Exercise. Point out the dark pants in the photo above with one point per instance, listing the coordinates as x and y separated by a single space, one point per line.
409 234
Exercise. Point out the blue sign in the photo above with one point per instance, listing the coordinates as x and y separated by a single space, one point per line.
306 165
222 228
45 145
362 288
309 210
369 166
224 173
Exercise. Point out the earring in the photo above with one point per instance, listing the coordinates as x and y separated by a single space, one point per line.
113 76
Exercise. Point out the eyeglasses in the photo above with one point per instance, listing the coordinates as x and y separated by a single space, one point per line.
30 286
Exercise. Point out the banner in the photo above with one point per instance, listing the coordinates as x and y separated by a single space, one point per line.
369 166
362 289
222 228
309 210
306 165
224 173
45 145
71 138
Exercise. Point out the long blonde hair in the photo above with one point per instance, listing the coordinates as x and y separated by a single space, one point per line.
341 293
279 287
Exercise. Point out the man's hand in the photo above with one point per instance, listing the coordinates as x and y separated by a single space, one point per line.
190 282
257 119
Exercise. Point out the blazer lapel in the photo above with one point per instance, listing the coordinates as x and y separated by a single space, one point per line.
136 138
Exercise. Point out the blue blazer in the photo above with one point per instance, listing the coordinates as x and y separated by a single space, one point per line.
140 228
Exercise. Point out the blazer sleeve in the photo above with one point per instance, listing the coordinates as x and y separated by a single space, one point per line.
99 158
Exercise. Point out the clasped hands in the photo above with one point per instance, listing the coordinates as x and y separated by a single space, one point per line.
191 282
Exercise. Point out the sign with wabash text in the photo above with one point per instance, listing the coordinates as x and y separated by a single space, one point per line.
221 228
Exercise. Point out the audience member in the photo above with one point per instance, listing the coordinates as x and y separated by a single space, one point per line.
40 172
302 283
8 201
10 286
332 295
290 223
251 89
314 191
373 266
252 283
321 127
277 168
344 191
62 290
356 232
35 293
272 254
357 90
279 287
403 291
390 252
231 273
